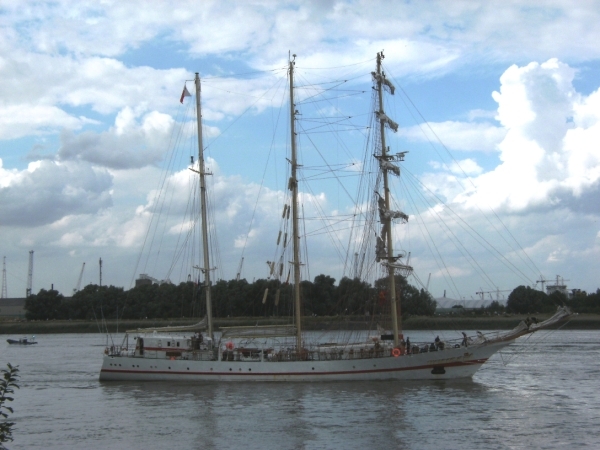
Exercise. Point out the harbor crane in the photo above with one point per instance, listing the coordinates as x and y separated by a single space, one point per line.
239 271
78 286
558 286
482 293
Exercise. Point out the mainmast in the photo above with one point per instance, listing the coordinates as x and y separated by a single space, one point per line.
202 173
293 186
385 249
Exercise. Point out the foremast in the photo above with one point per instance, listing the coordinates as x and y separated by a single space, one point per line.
293 186
385 249
203 202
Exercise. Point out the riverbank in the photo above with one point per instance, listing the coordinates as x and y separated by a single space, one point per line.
15 327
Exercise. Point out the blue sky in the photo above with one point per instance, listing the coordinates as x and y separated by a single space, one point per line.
90 96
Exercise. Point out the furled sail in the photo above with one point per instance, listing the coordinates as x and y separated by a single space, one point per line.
525 327
387 83
386 120
404 269
395 215
380 251
386 165
387 214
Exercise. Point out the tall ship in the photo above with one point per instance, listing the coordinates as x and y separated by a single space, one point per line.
285 352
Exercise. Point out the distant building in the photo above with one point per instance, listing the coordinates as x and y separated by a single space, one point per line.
12 308
448 303
145 280
560 287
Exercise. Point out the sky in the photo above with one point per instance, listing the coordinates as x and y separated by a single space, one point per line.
89 105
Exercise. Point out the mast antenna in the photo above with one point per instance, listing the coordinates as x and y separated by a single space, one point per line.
4 289
29 275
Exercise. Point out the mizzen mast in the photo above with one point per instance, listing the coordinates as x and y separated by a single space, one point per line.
203 202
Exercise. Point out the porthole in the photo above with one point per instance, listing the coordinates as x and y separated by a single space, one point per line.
230 369
249 370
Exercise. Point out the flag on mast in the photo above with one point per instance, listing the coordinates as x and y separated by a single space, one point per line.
184 94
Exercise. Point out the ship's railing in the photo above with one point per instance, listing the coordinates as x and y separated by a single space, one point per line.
312 353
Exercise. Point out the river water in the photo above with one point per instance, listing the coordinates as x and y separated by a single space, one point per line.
539 393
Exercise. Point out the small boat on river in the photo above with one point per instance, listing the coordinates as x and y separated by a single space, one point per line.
22 341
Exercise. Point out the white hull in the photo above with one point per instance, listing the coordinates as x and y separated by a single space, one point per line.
451 363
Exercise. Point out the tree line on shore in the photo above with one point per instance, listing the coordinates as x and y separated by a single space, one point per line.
266 298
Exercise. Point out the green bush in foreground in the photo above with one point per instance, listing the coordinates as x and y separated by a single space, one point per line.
7 383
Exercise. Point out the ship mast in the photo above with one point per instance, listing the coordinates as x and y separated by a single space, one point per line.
384 248
202 173
387 221
293 186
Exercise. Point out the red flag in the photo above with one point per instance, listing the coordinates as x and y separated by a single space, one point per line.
184 94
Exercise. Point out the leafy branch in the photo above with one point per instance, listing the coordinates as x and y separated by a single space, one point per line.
7 385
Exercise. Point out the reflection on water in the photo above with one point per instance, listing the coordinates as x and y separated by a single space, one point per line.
530 402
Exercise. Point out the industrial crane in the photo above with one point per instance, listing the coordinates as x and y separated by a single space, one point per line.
78 286
497 292
239 271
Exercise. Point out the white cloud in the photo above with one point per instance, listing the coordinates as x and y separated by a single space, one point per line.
480 137
26 119
47 191
549 152
466 166
129 144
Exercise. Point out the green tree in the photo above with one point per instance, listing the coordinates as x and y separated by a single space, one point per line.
322 300
554 300
586 303
525 300
417 302
496 307
355 296
7 385
410 300
45 305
